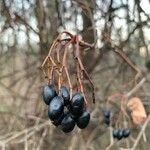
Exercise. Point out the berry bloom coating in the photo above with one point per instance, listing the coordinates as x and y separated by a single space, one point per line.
48 93
58 121
68 123
126 133
65 94
77 104
120 134
83 120
115 133
76 111
55 108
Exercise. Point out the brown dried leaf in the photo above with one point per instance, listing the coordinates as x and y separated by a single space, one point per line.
138 113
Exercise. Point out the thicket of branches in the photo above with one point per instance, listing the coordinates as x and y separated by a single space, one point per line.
117 35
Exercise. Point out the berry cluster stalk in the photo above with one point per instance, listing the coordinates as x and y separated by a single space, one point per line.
55 62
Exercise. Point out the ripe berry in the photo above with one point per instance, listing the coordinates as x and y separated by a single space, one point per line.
65 94
48 93
126 133
58 121
83 120
77 104
106 113
106 121
115 133
68 123
106 116
55 108
120 134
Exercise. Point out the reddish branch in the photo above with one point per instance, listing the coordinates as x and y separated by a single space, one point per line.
59 63
61 67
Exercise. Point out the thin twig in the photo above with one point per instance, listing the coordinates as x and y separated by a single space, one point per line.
136 87
42 139
34 128
141 133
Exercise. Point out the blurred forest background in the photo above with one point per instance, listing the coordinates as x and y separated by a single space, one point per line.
27 29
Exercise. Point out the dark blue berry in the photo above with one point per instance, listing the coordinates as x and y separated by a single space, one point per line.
77 104
55 108
120 134
106 116
115 133
106 113
48 93
68 123
83 120
65 94
58 121
126 133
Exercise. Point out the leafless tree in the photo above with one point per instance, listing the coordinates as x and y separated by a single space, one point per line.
114 38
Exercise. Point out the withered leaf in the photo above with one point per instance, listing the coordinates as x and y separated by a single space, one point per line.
138 112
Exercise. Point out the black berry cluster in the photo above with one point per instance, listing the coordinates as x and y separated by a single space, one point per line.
121 133
106 116
118 133
63 111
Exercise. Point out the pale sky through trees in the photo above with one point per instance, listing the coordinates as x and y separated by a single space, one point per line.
104 54
145 4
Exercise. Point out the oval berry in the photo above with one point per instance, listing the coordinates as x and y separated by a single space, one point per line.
55 108
126 133
106 113
106 121
115 133
83 120
77 104
48 93
58 121
65 94
120 134
68 123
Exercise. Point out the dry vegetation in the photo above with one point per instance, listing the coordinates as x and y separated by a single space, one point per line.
115 48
